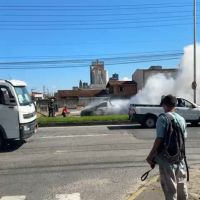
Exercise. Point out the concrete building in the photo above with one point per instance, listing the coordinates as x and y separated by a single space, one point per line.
140 76
98 75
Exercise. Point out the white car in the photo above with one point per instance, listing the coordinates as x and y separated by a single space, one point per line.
102 108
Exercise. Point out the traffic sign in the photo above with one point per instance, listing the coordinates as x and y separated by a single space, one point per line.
194 85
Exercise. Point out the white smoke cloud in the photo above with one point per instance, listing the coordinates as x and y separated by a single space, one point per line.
155 87
159 84
185 78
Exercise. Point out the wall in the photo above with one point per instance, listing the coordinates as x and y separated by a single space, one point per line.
140 76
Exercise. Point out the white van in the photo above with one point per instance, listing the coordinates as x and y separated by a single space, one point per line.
17 111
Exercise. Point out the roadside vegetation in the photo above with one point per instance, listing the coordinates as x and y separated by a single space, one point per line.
48 121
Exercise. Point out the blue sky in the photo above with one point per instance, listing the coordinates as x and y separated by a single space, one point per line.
126 35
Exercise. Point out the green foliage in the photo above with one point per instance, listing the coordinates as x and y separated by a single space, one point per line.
80 120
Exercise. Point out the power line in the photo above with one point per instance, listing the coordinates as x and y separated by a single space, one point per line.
103 55
89 7
14 27
94 6
78 63
94 15
85 61
89 24
99 20
144 13
84 66
85 42
114 21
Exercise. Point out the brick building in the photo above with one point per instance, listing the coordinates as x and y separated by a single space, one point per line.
76 94
80 97
121 88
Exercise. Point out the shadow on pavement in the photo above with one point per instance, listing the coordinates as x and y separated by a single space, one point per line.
13 145
135 126
193 125
138 126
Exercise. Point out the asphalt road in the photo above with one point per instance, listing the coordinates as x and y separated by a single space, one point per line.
81 163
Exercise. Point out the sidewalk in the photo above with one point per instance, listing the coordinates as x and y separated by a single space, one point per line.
151 190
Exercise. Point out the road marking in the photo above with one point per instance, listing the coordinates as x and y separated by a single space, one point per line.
13 198
74 196
60 151
72 136
143 188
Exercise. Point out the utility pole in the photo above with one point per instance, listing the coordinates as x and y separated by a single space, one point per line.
32 95
194 83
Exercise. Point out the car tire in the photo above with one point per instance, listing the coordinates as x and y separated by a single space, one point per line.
86 113
2 142
194 123
150 121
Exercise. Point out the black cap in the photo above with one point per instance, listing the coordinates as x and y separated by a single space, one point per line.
169 100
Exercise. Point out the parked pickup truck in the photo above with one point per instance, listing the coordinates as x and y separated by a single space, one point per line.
147 115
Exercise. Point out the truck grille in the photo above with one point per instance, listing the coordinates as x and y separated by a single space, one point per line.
30 115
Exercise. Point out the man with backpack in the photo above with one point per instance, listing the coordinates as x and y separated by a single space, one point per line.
168 151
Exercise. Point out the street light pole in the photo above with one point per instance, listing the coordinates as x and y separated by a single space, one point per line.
194 84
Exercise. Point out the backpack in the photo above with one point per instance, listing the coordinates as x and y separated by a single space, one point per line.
173 148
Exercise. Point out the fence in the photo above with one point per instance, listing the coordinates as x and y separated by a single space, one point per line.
71 103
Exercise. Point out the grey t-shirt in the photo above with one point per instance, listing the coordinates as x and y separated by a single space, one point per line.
162 124
161 130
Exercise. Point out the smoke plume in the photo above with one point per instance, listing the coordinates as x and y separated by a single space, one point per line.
159 84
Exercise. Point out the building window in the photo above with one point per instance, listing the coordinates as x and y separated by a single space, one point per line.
111 90
121 89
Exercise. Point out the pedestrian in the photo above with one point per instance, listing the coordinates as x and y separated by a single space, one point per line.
173 172
65 111
51 108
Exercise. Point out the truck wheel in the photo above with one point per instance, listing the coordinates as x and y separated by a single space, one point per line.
1 142
150 122
194 123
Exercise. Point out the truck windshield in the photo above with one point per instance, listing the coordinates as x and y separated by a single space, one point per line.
23 96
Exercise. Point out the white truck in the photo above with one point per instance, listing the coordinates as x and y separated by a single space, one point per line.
17 111
147 115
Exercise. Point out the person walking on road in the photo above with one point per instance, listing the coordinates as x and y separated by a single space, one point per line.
173 169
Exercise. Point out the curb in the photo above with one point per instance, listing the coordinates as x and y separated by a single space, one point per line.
56 124
142 188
